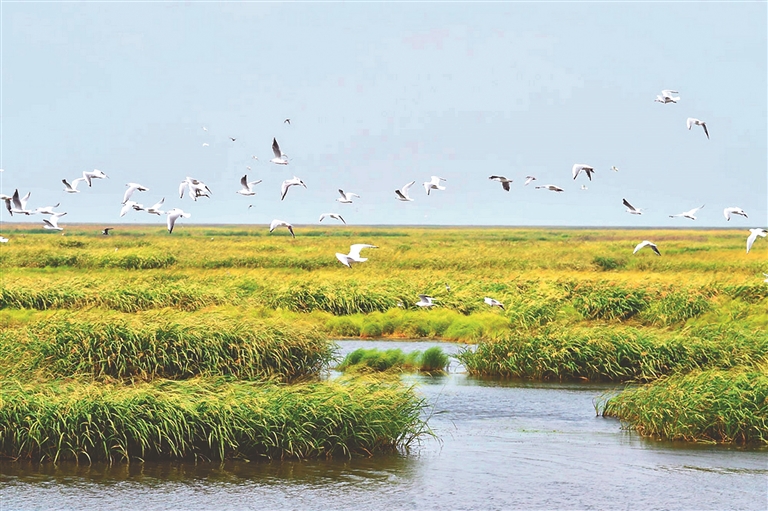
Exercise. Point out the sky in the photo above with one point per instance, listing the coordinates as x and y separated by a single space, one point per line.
380 94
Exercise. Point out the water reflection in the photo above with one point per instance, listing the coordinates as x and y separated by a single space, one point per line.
502 445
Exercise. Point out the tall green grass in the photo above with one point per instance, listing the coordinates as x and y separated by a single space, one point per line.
712 405
107 345
432 360
613 353
210 419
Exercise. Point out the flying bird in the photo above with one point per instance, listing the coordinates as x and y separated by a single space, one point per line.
288 183
691 121
7 199
195 188
354 254
279 223
434 184
727 212
280 157
494 303
105 231
503 180
754 233
232 139
206 144
688 214
155 209
346 197
174 215
402 193
584 187
129 205
287 121
5 240
647 243
666 96
425 301
528 179
20 203
335 216
46 210
132 187
631 209
247 186
96 174
72 187
577 168
614 168
551 188
53 222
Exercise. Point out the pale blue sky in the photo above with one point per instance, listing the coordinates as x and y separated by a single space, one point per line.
380 94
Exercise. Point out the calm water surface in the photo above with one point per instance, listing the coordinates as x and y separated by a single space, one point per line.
503 445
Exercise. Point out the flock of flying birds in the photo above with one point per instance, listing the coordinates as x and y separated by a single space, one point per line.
196 189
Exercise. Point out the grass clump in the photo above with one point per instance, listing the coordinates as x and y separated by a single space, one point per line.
612 353
713 405
149 346
432 360
210 419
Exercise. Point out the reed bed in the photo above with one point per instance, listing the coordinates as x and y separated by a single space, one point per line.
108 345
209 419
431 360
712 405
611 353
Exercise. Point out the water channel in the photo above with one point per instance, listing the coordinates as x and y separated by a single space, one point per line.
502 445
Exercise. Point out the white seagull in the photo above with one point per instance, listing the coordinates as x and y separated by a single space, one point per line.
666 96
132 187
280 223
434 184
354 254
335 216
614 168
155 209
20 203
551 188
402 193
129 206
174 215
727 212
691 121
753 236
53 222
280 157
247 188
647 243
346 197
688 214
195 188
503 180
289 183
96 174
494 303
579 167
7 199
46 210
584 187
528 179
72 187
425 301
5 240
631 209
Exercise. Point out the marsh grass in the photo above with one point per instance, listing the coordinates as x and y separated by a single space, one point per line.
109 345
432 360
613 353
212 419
712 405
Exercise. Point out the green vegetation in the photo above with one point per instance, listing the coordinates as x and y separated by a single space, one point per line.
432 360
614 353
205 419
141 305
712 405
